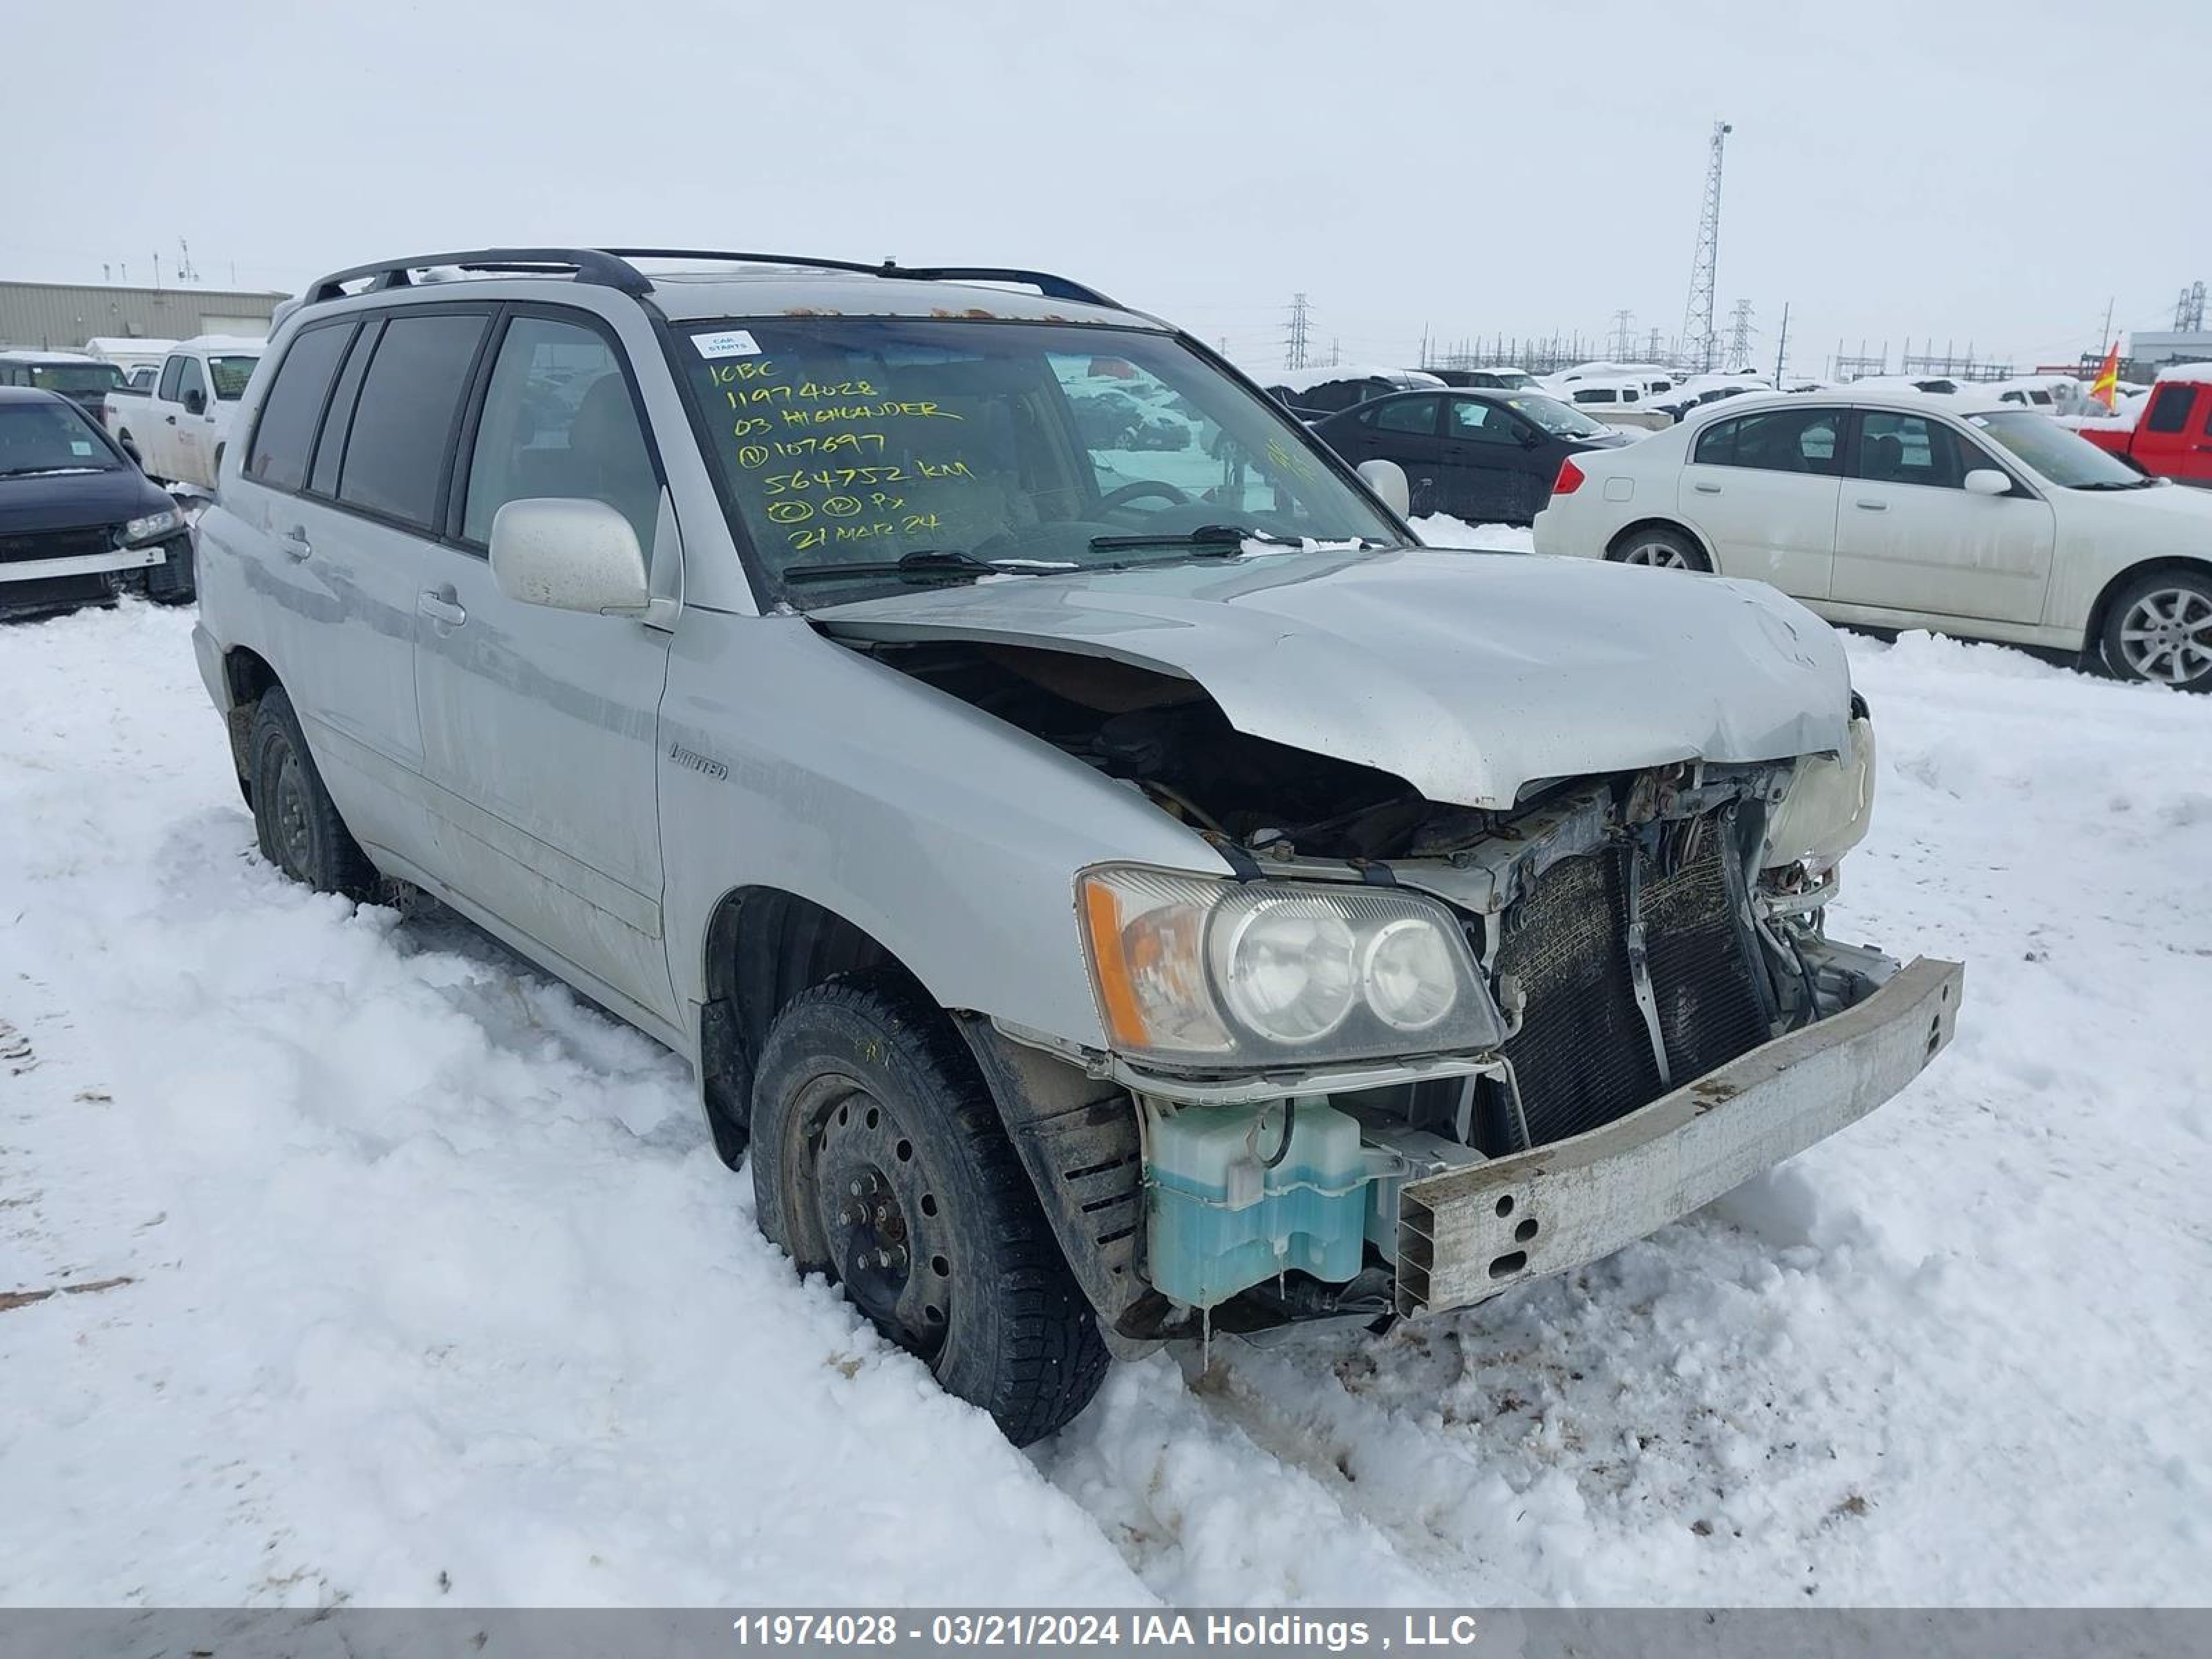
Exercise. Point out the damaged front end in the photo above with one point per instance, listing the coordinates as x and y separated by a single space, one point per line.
1407 1053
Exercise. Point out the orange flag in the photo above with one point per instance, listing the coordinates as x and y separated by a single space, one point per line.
2106 388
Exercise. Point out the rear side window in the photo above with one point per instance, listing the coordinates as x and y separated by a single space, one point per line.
284 432
1415 415
402 424
558 421
1773 440
2169 410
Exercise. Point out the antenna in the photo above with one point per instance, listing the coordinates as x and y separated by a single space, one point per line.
186 270
1698 343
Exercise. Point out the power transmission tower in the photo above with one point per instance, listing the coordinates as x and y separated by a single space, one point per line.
1621 336
1294 353
1740 333
1698 343
2189 314
1651 347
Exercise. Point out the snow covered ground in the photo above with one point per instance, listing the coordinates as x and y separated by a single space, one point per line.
401 1277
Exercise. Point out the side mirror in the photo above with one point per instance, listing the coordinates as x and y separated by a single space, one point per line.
1988 480
196 402
568 554
1388 480
1530 438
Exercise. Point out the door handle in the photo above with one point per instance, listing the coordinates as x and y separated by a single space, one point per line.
1706 489
438 607
1871 506
296 543
171 419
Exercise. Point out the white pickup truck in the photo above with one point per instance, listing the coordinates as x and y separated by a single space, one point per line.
176 430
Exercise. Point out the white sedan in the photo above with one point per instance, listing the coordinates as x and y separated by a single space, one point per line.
1893 509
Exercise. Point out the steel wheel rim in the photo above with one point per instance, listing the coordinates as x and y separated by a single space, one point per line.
295 838
2166 636
881 1218
1659 555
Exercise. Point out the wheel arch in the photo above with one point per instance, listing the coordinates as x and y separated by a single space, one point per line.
246 677
764 946
2093 633
1662 521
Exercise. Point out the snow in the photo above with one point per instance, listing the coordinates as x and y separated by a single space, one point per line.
434 1280
1305 380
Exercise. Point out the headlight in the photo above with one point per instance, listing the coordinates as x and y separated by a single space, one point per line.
1826 810
1215 973
164 523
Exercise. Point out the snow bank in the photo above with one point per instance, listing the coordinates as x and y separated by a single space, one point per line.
433 1289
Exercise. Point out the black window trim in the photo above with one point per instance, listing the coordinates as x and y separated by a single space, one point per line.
455 509
376 317
322 412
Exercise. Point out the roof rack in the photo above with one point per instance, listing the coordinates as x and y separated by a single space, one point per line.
611 268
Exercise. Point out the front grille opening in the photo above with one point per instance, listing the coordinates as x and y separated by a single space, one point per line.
1583 1055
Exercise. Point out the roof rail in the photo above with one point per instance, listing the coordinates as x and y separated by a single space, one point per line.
586 264
1051 287
611 268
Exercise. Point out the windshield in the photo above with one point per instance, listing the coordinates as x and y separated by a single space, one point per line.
2067 459
1560 420
230 375
847 446
42 437
75 377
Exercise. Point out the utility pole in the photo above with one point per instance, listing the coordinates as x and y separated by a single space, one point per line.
157 272
1294 354
1335 357
1782 346
1698 343
2105 334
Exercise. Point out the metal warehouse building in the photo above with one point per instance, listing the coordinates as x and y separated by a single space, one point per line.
63 316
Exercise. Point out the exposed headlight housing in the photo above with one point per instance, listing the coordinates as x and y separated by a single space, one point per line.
1827 807
153 525
1198 971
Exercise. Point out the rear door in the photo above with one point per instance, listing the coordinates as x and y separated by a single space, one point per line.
1489 470
1404 429
1762 488
540 727
1910 538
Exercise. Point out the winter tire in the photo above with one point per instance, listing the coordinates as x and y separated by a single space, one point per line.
2160 629
295 820
879 1159
1660 548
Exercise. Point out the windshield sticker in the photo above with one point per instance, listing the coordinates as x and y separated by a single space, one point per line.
80 446
730 343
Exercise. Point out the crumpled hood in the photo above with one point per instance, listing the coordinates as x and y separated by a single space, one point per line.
1469 675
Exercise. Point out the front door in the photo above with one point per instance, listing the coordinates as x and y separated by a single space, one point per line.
1490 474
1761 489
194 416
1910 538
540 727
1404 430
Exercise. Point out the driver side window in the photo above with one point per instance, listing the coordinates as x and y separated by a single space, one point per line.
190 379
1136 430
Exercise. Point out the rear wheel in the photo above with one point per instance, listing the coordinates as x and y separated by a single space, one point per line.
295 820
879 1159
1660 548
2160 629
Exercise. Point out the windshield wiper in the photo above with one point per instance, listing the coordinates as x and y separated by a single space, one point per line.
924 564
1214 540
44 471
2118 484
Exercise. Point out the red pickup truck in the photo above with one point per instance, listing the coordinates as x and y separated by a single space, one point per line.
2172 437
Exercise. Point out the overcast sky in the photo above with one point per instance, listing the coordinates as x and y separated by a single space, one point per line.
1991 174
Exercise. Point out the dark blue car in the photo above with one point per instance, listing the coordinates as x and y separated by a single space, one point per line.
79 522
1488 457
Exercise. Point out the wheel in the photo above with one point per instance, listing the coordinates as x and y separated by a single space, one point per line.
1660 548
2160 629
879 1159
295 820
